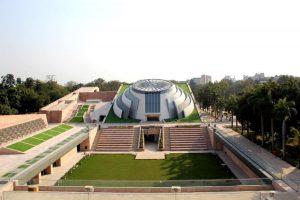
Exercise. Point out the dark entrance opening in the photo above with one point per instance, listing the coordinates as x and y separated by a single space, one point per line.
151 138
101 118
153 118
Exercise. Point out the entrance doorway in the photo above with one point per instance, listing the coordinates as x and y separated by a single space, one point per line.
151 138
153 118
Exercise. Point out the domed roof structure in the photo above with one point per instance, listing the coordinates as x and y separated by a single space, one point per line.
153 100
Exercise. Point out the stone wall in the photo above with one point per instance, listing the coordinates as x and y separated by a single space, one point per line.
103 95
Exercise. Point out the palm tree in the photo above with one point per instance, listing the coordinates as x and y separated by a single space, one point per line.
232 106
284 109
296 142
259 101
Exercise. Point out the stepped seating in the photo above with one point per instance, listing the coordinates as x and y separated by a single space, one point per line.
21 130
115 139
189 139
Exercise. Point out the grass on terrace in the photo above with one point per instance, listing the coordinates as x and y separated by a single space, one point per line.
125 167
112 118
79 115
37 139
194 116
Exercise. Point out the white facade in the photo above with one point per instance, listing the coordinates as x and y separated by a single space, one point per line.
153 99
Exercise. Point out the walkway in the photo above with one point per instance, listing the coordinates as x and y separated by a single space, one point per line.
272 164
250 195
150 153
58 172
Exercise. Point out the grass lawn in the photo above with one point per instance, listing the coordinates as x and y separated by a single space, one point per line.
184 87
125 167
20 146
33 141
193 117
112 118
79 115
123 88
37 139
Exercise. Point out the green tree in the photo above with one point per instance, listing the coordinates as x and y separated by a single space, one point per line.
296 142
284 110
231 105
8 81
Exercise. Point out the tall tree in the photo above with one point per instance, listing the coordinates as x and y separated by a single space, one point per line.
284 110
296 142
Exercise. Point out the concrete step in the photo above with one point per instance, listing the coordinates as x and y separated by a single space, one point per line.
119 136
114 145
187 143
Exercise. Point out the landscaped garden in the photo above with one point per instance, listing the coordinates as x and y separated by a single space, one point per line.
37 139
119 167
79 115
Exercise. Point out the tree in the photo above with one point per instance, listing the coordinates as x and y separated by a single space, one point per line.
8 81
29 82
232 107
284 110
296 142
6 110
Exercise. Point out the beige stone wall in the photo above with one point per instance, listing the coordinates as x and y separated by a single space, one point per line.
239 163
103 95
100 191
210 133
68 155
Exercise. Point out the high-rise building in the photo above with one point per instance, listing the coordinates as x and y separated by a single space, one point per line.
256 77
204 79
230 78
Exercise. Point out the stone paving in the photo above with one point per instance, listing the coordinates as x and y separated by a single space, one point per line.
249 195
150 152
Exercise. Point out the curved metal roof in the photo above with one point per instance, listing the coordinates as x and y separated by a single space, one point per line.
152 85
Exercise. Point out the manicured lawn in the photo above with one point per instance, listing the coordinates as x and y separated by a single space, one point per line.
123 88
33 141
37 139
193 117
184 87
20 146
79 115
112 118
43 136
174 167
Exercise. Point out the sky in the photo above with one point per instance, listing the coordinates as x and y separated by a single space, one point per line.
81 40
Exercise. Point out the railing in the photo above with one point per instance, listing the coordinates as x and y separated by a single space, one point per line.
158 183
260 164
161 145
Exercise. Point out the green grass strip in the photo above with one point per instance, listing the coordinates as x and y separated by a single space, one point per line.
33 141
20 146
43 136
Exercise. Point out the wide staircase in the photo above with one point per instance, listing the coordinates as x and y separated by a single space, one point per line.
189 139
115 139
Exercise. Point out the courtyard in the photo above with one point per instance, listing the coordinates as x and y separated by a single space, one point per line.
111 169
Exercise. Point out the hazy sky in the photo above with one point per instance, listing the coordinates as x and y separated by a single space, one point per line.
127 40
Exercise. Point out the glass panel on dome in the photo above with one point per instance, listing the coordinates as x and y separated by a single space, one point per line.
152 102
